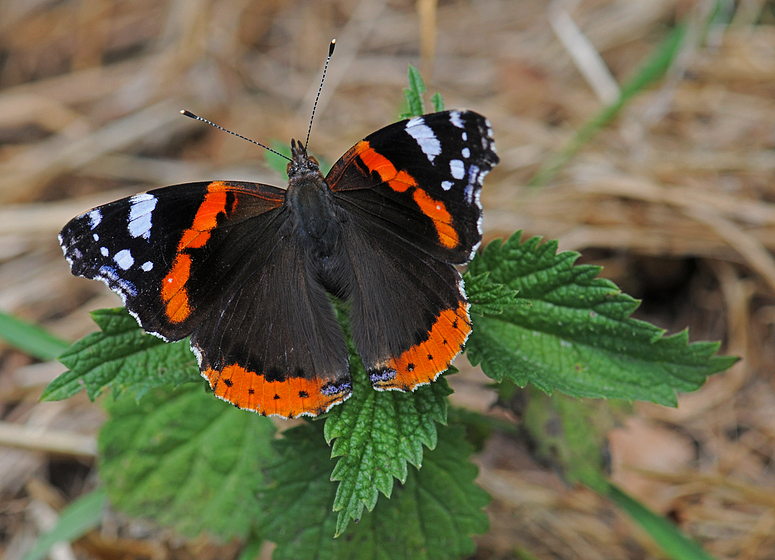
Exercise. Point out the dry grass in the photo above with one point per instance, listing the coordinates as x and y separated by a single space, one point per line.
675 198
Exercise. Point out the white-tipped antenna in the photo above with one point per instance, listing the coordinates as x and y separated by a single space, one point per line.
191 115
315 105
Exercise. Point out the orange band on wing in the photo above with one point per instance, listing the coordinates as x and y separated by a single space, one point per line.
422 363
442 220
399 181
289 398
173 291
214 204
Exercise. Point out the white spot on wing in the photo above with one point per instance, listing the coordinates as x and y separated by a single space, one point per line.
446 185
104 251
96 237
95 217
124 259
426 139
466 152
454 118
457 168
414 121
147 266
140 213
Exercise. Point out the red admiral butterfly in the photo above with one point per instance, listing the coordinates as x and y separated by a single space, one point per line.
246 269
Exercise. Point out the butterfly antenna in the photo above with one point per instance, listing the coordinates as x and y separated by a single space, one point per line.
317 97
191 115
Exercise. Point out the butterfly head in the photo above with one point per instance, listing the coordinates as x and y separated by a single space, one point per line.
301 164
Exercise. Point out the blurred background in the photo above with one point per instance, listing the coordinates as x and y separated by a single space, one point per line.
671 190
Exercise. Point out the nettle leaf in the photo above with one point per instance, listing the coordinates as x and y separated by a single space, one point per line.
438 102
571 433
375 434
297 505
121 357
432 515
414 95
186 460
414 104
490 298
571 331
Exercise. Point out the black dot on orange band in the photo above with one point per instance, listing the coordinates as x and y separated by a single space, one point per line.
445 342
430 357
251 391
409 367
227 382
303 394
276 397
454 324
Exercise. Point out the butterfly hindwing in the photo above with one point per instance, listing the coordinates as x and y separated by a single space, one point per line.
274 345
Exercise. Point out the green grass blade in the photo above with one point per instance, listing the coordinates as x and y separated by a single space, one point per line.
30 339
671 540
652 70
80 517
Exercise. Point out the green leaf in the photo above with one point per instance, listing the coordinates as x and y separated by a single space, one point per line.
186 460
30 339
121 357
430 516
414 94
489 298
438 102
375 434
670 538
77 519
572 332
297 505
571 434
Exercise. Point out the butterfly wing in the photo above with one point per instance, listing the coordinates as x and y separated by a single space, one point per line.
412 191
214 261
272 343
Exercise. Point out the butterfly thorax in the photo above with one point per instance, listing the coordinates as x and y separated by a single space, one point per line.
311 203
